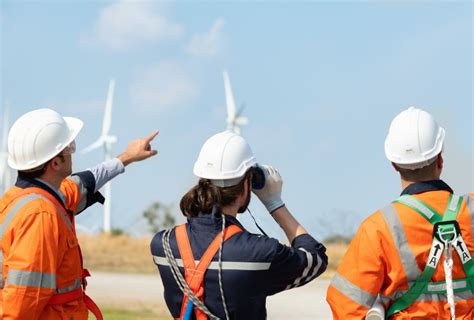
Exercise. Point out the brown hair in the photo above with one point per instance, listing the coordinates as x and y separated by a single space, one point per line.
204 196
38 171
422 174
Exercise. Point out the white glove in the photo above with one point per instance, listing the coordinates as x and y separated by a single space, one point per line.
270 194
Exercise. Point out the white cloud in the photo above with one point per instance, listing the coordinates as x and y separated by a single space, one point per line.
162 87
207 44
126 24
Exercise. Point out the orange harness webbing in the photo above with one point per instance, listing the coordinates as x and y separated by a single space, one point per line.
194 275
62 298
79 293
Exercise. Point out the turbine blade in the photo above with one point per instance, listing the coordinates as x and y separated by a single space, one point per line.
241 109
97 144
229 98
108 109
241 121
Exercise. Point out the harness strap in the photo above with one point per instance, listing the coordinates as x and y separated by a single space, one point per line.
437 247
59 298
194 275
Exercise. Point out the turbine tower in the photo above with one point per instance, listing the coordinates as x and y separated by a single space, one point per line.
106 140
234 119
5 171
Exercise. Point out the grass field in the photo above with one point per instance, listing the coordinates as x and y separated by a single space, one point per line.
125 254
110 313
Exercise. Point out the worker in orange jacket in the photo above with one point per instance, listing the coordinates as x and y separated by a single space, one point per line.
413 258
42 272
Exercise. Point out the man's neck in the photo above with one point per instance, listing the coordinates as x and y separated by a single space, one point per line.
406 183
54 182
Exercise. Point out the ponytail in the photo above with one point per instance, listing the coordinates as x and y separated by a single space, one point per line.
204 196
201 198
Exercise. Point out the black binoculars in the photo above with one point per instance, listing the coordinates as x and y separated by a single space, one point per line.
258 178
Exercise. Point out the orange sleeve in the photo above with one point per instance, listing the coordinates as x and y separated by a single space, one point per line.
31 264
70 189
359 277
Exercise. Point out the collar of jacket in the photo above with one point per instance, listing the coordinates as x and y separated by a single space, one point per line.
212 221
426 186
24 183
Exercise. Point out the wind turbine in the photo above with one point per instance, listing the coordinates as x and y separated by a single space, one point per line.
5 171
106 140
234 119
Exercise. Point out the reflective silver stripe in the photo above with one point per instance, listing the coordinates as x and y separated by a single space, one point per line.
62 214
442 286
8 219
77 284
414 203
470 207
31 279
458 296
309 259
352 291
226 265
316 269
12 213
401 244
82 191
14 210
453 204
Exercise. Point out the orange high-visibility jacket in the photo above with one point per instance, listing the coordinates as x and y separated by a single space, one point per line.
389 251
41 255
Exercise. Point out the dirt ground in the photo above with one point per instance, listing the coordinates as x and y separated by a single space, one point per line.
145 292
131 255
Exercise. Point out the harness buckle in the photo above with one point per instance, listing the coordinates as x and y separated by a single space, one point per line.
446 231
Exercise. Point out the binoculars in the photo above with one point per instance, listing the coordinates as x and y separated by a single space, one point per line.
258 178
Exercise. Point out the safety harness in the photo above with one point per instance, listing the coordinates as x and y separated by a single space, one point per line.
64 295
446 235
194 275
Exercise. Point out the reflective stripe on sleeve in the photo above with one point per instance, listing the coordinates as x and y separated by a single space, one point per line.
77 284
309 264
31 279
82 191
315 270
352 291
401 244
226 265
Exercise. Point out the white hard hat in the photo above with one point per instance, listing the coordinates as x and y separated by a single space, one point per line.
38 136
224 159
414 139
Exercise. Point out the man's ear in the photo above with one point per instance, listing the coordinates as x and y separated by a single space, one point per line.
55 163
440 161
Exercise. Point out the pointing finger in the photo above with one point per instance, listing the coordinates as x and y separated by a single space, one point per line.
152 136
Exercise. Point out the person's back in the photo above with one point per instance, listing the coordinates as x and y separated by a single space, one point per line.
252 266
400 248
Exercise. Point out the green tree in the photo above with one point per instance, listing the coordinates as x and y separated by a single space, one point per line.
159 216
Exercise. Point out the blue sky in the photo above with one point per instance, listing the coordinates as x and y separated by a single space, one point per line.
321 82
